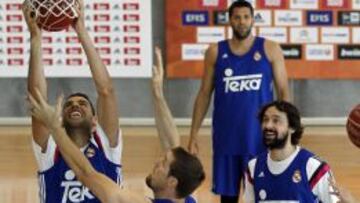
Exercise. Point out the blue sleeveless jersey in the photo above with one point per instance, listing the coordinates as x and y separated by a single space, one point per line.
59 184
243 84
290 186
188 199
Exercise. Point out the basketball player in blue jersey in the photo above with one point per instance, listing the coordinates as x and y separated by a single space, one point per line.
175 176
95 133
288 172
242 72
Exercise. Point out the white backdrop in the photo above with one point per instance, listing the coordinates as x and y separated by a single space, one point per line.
121 30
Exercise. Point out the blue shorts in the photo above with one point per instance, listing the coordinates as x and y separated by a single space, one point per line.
228 171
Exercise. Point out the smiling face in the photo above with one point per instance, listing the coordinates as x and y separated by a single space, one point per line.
275 128
241 22
77 113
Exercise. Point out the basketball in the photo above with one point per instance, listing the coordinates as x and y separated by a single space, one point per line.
353 126
54 15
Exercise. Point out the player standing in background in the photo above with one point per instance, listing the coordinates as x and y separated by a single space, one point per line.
287 173
174 177
96 134
242 73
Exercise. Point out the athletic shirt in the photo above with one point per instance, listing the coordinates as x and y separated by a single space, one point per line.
188 199
243 84
304 180
58 182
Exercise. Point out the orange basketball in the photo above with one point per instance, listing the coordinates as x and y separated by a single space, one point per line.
353 126
54 15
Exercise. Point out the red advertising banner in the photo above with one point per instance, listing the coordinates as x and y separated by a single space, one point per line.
320 38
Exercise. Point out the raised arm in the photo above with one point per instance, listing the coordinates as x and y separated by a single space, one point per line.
36 78
276 57
167 131
107 109
203 98
103 187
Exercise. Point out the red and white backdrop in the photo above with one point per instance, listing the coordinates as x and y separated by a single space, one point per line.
121 30
320 38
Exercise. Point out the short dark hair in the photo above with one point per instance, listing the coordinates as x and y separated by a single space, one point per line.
188 171
240 4
292 114
79 94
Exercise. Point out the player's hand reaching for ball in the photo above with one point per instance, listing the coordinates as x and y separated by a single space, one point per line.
30 18
79 23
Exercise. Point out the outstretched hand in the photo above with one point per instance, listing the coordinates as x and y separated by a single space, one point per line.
47 114
30 18
79 23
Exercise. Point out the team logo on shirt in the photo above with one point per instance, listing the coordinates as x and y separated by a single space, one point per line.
257 56
90 152
74 190
262 194
241 83
297 176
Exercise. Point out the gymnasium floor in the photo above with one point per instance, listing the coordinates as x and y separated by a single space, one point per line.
18 182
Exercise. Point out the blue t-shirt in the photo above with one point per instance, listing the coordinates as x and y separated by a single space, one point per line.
243 84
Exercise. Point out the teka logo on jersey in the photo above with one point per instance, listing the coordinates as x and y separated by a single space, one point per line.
292 51
74 191
349 52
349 18
241 83
319 17
195 18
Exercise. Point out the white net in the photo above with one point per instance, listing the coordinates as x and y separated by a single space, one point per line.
57 8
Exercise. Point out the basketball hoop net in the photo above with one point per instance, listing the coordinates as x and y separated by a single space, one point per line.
44 8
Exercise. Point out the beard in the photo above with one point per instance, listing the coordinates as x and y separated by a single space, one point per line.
278 142
241 35
84 125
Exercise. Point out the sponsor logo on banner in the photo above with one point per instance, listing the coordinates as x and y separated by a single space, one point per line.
292 51
213 3
104 17
276 4
304 35
15 62
262 17
349 51
132 50
15 51
14 18
276 34
349 18
101 6
335 35
319 17
131 6
195 18
210 34
356 35
221 18
14 28
288 18
320 52
356 4
132 62
13 7
335 4
304 4
193 51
